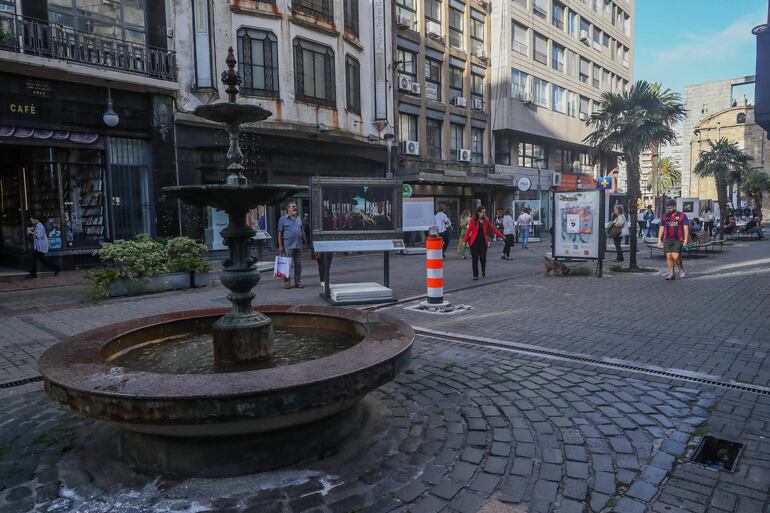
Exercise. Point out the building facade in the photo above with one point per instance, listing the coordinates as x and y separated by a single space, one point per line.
442 85
701 102
85 115
552 62
318 66
736 124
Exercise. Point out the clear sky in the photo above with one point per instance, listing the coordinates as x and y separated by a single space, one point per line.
683 42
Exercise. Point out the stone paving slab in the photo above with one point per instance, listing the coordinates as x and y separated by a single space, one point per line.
462 426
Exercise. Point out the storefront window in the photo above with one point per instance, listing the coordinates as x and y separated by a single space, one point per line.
82 175
130 187
8 6
121 19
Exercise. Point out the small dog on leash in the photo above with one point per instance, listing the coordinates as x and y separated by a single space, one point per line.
553 266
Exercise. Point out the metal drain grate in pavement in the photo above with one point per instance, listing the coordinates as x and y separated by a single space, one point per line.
717 453
20 382
679 374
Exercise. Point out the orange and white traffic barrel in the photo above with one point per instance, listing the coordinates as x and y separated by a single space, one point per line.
434 264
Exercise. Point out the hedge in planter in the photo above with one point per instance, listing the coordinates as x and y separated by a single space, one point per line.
131 266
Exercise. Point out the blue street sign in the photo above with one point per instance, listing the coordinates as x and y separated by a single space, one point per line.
605 182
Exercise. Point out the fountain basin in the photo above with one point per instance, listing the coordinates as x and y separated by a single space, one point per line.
227 423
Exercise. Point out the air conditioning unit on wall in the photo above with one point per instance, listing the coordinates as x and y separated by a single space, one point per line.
404 21
405 83
410 147
477 104
416 88
464 155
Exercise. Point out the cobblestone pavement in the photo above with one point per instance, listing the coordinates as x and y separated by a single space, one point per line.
465 426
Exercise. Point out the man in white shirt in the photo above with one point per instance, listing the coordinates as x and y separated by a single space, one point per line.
524 222
443 223
509 230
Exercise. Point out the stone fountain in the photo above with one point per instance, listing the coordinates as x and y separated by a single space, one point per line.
221 392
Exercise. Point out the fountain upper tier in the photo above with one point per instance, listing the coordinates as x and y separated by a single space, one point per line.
232 113
235 197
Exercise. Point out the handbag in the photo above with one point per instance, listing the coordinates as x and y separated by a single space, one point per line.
614 231
282 268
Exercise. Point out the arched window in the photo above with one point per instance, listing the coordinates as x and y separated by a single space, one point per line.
258 62
741 118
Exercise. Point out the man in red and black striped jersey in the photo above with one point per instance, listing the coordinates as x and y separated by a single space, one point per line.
673 235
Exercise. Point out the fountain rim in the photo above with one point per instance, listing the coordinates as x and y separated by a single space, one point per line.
77 363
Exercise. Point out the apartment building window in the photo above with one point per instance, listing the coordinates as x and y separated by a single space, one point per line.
519 85
201 42
8 6
433 136
477 145
540 8
606 80
597 39
541 49
407 63
572 64
586 162
572 104
585 69
583 108
626 57
433 10
520 3
323 9
407 127
477 31
540 92
456 139
585 30
314 73
502 150
433 79
597 76
557 57
557 15
619 53
564 164
618 17
559 100
258 62
455 82
573 24
530 153
406 8
456 28
627 24
351 16
606 42
121 19
520 43
608 10
477 86
353 83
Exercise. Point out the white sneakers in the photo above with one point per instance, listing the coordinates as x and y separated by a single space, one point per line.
682 274
670 276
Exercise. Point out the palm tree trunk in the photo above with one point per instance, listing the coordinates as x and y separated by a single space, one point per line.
632 170
722 200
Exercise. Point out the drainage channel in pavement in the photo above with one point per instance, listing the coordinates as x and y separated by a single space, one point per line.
506 345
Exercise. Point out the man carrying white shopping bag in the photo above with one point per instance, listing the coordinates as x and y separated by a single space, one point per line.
291 240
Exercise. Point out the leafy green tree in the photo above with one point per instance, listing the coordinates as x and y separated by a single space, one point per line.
726 164
632 121
668 176
756 185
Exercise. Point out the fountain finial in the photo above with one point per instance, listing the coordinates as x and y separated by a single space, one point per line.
231 78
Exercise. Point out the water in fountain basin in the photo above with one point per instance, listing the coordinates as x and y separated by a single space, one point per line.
193 353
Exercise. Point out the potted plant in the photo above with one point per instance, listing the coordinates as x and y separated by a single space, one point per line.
188 256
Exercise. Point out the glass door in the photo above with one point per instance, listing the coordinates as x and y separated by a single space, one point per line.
130 188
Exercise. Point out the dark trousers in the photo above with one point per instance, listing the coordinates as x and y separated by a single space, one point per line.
479 254
321 267
509 241
642 226
296 257
709 227
619 251
445 236
40 256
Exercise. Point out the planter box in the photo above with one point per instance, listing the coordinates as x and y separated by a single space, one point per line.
163 283
198 280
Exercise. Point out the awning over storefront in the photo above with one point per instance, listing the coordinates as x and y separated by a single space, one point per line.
14 132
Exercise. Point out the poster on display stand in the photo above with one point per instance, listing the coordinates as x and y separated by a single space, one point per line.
689 206
578 227
418 214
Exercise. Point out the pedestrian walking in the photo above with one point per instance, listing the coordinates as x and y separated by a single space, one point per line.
465 218
478 240
708 221
39 247
524 222
291 241
615 230
649 217
509 231
443 223
641 222
673 236
498 222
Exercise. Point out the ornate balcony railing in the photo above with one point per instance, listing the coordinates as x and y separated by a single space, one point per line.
38 37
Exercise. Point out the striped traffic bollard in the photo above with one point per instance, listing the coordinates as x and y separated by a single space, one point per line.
434 264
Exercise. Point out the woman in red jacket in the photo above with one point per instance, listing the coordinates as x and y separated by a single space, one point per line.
477 239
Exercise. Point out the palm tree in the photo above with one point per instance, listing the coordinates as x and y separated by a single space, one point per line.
668 176
632 121
756 185
727 164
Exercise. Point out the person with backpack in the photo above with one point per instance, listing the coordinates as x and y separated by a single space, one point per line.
673 236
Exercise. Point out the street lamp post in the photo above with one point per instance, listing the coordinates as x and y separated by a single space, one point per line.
389 139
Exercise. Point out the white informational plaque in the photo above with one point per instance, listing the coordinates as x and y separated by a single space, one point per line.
418 214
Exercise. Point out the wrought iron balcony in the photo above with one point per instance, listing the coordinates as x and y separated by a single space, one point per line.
38 37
